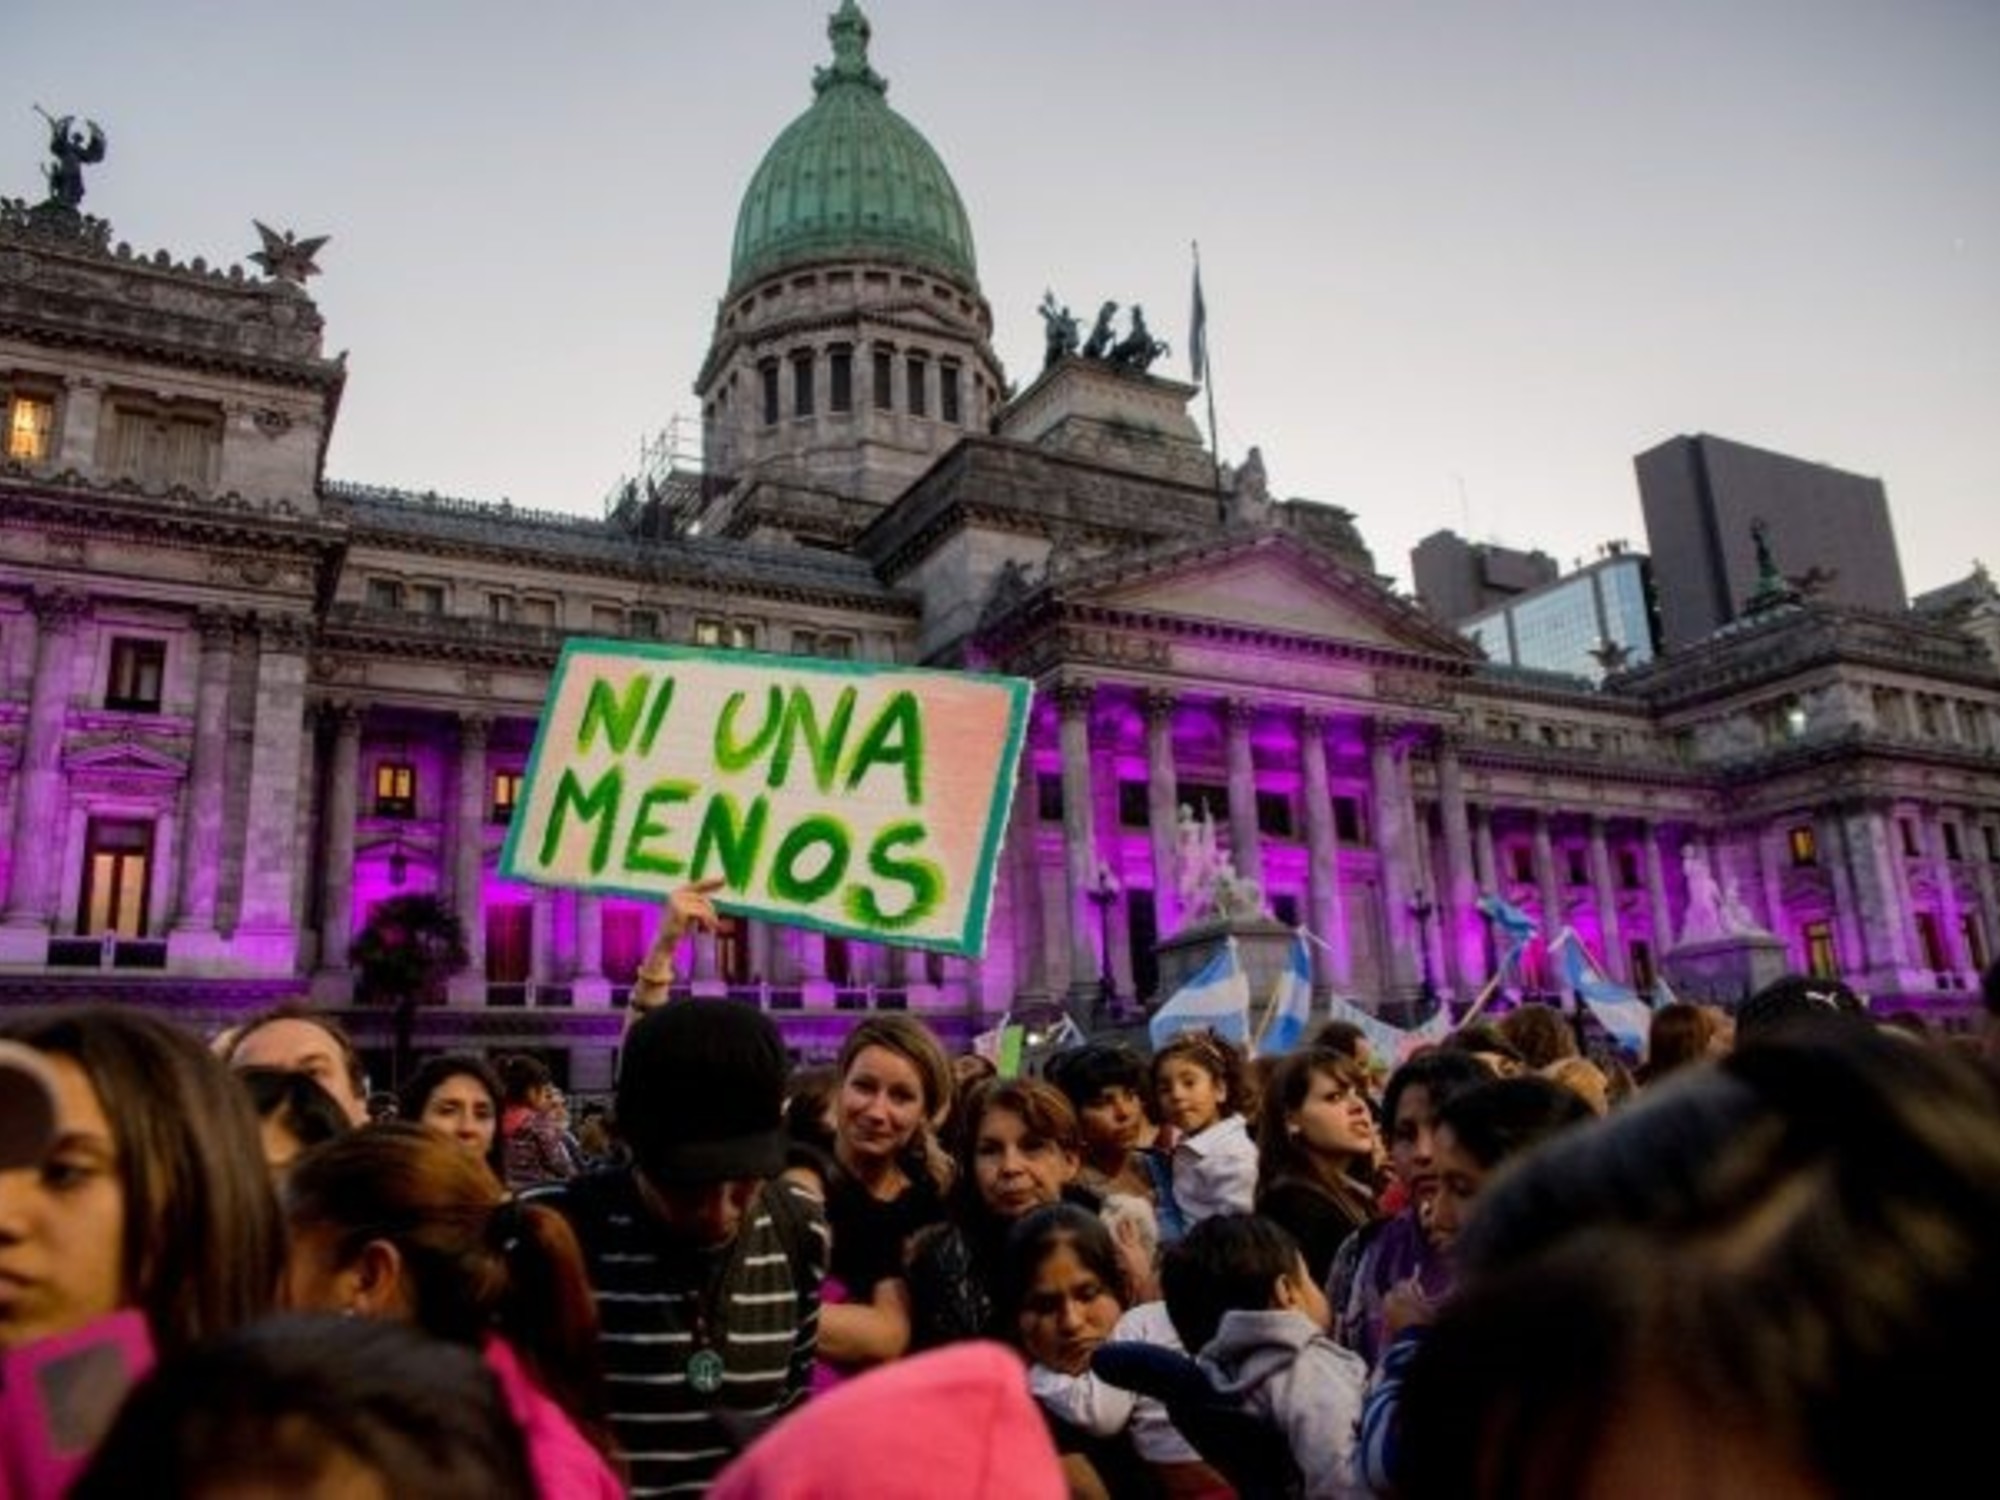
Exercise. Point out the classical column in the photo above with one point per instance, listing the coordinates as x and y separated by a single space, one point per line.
1609 937
1989 909
266 933
1024 861
1322 856
541 937
1458 915
38 800
1393 824
589 936
1771 872
1951 934
1073 700
1656 892
1830 832
1486 863
343 790
1162 809
757 937
1883 915
1245 848
468 849
1554 913
201 841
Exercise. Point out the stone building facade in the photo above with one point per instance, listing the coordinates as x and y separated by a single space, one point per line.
240 702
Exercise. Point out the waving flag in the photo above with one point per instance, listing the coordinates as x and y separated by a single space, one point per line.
1291 1002
1618 1010
1511 920
1391 1043
1198 330
1218 997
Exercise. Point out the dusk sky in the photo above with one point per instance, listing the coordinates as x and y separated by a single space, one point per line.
1463 259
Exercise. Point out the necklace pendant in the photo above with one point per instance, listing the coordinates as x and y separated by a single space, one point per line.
704 1371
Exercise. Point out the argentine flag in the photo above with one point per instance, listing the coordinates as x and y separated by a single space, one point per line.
1618 1010
1217 998
1291 1002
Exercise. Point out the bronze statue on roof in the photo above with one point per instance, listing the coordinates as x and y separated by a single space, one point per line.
73 150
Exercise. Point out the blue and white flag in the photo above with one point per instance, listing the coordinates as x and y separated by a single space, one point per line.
1217 998
1511 920
1291 1002
1618 1010
1390 1044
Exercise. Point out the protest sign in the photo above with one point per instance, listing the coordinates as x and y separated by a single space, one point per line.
858 799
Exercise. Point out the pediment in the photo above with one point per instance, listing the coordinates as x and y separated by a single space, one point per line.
123 758
1272 582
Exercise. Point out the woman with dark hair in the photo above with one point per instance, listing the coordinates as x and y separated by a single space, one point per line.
1018 1152
293 1113
889 1179
1681 1034
153 1196
396 1221
459 1095
531 1137
315 1406
1317 1148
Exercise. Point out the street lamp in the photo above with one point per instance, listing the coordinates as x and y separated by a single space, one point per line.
1422 909
1103 891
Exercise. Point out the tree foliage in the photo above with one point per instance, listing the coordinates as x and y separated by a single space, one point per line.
411 946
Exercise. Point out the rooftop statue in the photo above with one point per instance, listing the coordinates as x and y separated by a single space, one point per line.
1063 332
1210 888
286 257
1098 345
73 150
1138 349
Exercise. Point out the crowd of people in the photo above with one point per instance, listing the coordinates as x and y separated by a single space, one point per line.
1755 1262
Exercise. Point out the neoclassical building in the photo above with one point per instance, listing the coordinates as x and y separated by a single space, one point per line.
242 702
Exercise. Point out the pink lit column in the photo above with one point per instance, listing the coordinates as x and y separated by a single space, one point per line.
1245 848
1073 701
201 842
343 793
1609 937
590 987
38 799
267 934
1393 827
1553 911
468 837
1163 809
1989 912
1458 916
1877 894
1771 870
1332 961
1830 834
1030 957
1656 892
1950 922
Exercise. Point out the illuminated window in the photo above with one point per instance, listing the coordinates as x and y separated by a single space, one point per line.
506 795
118 856
395 789
31 422
708 632
137 669
1822 962
730 634
1805 845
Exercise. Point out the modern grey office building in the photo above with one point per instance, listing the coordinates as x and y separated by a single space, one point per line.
1829 532
1594 620
1455 579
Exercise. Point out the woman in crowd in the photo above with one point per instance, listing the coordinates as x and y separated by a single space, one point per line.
531 1133
459 1095
1391 1250
1019 1152
1124 1149
315 1406
1682 1034
888 1182
398 1222
154 1195
1317 1153
1777 1268
293 1113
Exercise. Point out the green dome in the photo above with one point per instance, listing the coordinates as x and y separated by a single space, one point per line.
850 179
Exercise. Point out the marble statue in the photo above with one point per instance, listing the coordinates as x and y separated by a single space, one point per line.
1703 922
1210 888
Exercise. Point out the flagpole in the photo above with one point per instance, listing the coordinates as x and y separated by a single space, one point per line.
1206 374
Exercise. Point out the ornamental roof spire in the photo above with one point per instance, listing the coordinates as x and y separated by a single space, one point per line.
849 31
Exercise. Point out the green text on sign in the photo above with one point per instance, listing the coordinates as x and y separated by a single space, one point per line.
857 799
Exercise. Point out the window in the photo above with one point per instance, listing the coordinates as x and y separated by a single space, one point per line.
1347 820
831 645
500 608
948 393
1573 862
506 795
137 669
31 422
1804 844
1907 829
1200 797
884 378
540 612
427 598
607 619
162 443
118 856
385 593
918 378
645 624
1522 859
802 383
1993 845
840 379
1133 811
725 633
708 632
1952 848
768 373
1048 797
1628 870
395 789
1274 814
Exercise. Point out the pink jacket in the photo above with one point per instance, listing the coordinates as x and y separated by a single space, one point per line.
565 1466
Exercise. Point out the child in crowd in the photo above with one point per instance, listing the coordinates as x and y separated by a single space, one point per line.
1198 1080
1238 1290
